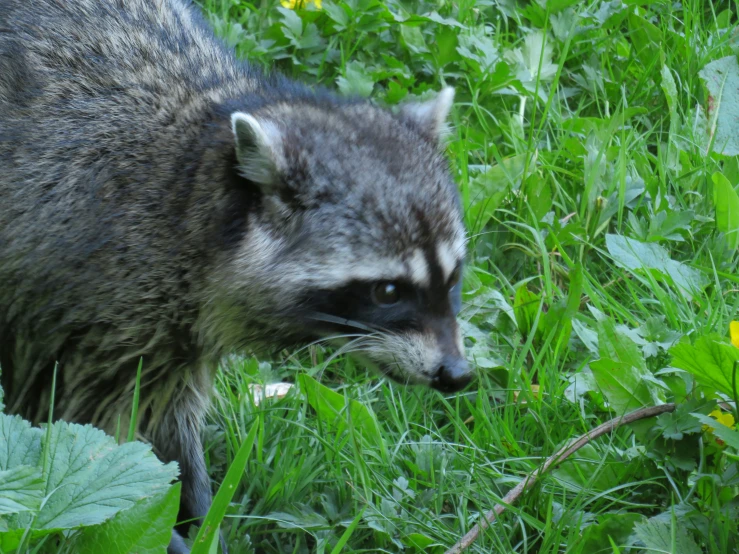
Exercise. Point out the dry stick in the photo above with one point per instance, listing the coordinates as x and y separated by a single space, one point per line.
561 455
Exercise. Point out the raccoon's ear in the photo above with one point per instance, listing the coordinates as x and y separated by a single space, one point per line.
431 116
259 150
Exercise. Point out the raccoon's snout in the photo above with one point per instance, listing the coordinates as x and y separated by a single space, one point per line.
453 375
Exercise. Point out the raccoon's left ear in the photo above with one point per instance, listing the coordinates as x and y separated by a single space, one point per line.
431 116
259 150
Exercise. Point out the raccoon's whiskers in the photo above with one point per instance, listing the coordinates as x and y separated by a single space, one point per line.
295 353
328 318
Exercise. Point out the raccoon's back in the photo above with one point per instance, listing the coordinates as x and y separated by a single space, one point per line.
86 47
102 105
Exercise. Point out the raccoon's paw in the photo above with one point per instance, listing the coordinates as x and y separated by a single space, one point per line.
177 544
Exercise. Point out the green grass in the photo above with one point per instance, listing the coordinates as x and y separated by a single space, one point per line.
552 154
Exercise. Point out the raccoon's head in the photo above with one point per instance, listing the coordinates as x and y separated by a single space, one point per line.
358 233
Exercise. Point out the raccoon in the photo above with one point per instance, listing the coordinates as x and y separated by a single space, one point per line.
161 199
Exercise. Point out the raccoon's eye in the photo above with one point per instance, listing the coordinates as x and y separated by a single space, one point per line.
385 293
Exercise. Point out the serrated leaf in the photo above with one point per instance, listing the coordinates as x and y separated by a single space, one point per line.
634 255
292 24
23 442
722 81
657 536
680 422
728 435
144 528
665 225
337 14
710 360
91 478
726 201
21 490
356 80
444 21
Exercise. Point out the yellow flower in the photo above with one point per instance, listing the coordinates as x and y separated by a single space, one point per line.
734 332
295 4
724 418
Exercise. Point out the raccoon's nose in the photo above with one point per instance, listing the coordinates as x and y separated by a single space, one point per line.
453 375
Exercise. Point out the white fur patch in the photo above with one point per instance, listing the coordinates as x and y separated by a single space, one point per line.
341 272
418 268
333 276
449 255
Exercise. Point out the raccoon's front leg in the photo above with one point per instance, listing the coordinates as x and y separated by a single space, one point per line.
176 437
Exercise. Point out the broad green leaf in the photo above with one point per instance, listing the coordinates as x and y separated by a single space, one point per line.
726 201
616 345
657 536
21 490
722 81
727 434
625 387
646 38
670 89
634 255
616 527
208 534
144 528
91 478
538 193
413 39
419 542
588 337
339 411
710 360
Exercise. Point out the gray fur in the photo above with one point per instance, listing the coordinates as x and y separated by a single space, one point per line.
135 223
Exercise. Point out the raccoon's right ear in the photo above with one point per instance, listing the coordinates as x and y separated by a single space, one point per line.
431 116
259 150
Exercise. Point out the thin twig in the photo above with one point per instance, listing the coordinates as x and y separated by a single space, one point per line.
561 455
